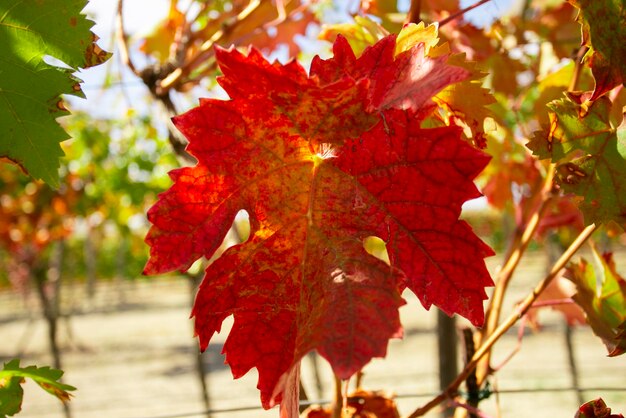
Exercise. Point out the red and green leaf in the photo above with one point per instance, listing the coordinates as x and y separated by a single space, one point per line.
604 32
321 163
602 295
590 153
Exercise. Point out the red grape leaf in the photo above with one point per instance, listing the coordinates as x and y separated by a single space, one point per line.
407 80
603 31
596 409
360 404
463 104
320 164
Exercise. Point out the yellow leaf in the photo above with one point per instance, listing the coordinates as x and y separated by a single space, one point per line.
360 34
465 104
159 42
413 34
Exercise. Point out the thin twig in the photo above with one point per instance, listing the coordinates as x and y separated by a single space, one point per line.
461 12
573 367
282 13
553 302
526 304
179 46
518 346
414 12
200 55
303 396
473 410
122 40
578 64
358 380
210 63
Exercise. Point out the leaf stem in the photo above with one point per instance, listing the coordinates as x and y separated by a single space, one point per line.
462 12
526 304
337 405
578 64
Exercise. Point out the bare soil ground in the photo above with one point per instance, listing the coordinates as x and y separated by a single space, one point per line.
131 354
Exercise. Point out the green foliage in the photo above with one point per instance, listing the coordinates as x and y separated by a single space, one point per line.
30 88
122 166
12 376
11 394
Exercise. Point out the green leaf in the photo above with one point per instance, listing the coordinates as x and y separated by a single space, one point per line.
12 376
590 155
11 395
30 88
602 295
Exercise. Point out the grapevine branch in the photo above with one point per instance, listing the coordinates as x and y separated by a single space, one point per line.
526 304
505 275
414 12
122 40
150 77
522 326
284 9
578 67
512 261
462 12
168 82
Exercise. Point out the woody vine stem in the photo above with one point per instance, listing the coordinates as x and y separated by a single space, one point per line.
492 332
